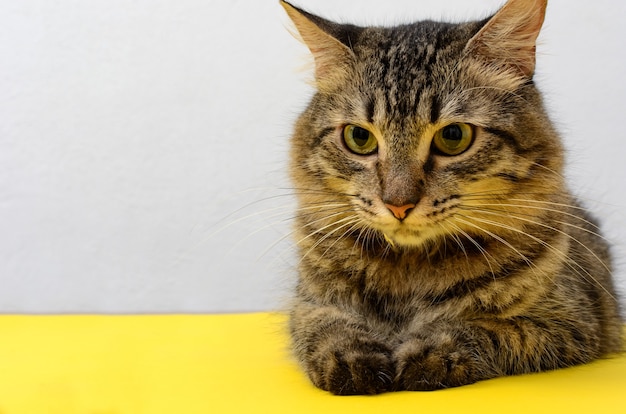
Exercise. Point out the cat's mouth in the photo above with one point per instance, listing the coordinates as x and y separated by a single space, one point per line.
413 231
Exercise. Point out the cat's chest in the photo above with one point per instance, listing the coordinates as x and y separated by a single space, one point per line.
404 290
394 289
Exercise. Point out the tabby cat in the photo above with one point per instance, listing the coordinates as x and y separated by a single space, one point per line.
439 244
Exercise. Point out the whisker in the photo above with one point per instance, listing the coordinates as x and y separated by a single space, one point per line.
482 250
522 200
305 191
511 214
323 228
347 221
456 238
568 260
363 239
530 264
263 214
349 230
550 170
560 232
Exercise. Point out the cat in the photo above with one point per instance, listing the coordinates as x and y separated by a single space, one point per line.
438 242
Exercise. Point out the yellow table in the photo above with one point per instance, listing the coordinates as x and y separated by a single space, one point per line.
191 364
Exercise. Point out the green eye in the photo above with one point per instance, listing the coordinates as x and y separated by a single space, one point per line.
453 139
359 140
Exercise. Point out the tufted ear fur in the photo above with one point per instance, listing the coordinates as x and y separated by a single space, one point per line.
328 42
508 39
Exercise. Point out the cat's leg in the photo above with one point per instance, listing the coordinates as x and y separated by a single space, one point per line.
450 354
339 352
443 356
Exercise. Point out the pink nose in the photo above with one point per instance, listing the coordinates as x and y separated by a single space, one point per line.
400 212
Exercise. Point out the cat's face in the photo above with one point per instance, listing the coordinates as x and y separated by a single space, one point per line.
415 137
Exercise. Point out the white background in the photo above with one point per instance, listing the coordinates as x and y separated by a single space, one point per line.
143 143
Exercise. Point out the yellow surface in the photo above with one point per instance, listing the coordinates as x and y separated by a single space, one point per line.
237 364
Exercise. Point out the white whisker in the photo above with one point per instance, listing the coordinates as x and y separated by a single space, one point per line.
568 260
530 264
558 231
345 222
483 207
477 245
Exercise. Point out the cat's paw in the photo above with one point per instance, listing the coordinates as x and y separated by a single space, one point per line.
426 366
362 368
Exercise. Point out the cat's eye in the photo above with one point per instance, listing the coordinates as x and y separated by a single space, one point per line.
454 139
359 140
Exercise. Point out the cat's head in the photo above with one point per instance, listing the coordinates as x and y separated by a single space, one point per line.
424 130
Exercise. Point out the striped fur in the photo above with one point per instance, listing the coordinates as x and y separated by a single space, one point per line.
497 270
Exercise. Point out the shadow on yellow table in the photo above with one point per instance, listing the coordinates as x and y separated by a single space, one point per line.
191 364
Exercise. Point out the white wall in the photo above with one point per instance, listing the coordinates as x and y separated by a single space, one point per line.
129 131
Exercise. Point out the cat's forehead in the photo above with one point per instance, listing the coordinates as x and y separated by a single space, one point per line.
406 42
401 69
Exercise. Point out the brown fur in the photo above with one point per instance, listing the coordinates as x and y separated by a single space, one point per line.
495 270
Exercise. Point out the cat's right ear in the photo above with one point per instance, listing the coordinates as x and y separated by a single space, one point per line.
328 42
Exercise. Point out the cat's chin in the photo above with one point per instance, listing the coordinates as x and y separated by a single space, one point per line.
408 239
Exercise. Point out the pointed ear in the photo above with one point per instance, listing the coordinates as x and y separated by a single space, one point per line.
328 42
509 38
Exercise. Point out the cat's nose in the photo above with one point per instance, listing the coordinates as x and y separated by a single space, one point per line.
400 212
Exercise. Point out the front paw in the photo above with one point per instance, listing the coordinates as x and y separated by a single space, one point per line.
423 365
360 368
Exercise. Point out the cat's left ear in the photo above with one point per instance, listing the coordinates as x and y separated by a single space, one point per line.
328 42
509 38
